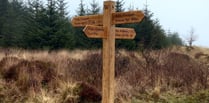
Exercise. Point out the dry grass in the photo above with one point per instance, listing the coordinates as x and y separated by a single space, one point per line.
74 76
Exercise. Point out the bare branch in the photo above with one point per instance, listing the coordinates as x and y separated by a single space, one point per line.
192 37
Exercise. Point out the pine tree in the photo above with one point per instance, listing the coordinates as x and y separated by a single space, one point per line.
81 10
174 39
56 35
61 5
51 28
95 9
144 30
3 12
119 6
36 18
81 41
62 38
11 28
150 34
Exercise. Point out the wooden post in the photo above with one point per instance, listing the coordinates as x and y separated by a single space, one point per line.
108 33
108 54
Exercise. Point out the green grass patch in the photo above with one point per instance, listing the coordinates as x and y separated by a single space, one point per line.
198 97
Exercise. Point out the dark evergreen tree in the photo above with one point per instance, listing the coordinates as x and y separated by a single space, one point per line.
61 5
3 13
12 20
94 8
150 34
51 23
174 39
158 39
70 44
51 27
35 33
119 6
57 23
81 41
81 10
62 38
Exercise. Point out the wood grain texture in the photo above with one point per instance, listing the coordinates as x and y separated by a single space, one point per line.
108 79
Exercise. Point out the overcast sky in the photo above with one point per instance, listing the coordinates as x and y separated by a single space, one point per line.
174 15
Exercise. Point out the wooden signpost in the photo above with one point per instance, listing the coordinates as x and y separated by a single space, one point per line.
103 26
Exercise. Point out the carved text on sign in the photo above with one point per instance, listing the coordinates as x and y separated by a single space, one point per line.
99 32
127 17
94 31
125 33
87 20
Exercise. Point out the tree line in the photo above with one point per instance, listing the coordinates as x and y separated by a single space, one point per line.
36 24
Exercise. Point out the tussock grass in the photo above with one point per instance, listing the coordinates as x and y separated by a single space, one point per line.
75 76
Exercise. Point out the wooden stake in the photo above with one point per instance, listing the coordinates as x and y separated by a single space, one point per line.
108 54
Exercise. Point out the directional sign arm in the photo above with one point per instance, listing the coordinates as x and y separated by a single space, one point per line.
99 32
118 18
127 17
94 31
125 33
82 21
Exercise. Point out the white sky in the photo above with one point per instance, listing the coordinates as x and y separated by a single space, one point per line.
174 15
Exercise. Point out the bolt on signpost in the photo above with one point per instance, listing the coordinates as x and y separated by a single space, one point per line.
103 26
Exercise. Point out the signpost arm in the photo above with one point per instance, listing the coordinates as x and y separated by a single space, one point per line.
108 54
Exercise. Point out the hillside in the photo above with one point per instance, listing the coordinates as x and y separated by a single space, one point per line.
173 75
